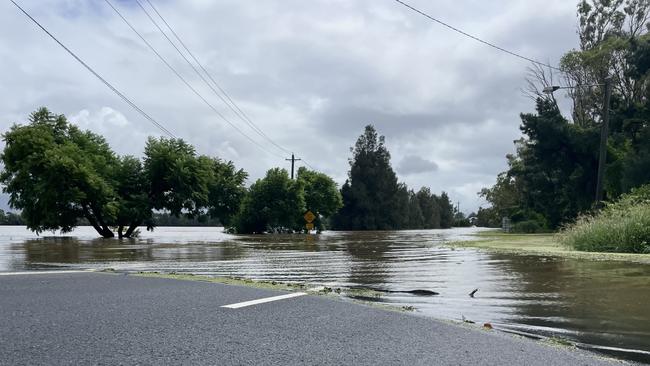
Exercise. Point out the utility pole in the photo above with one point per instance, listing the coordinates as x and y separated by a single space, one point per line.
293 162
604 132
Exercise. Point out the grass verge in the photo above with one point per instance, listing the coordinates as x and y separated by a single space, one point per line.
541 245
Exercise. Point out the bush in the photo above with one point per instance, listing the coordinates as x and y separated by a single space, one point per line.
622 226
529 222
528 227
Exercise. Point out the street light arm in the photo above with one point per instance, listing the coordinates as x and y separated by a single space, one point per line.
551 89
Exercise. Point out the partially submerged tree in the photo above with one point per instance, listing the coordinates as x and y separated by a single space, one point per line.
57 174
273 203
322 196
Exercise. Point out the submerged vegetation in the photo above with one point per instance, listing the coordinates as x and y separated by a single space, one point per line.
622 226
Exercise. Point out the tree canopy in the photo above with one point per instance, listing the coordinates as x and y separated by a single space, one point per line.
374 200
552 176
57 174
276 203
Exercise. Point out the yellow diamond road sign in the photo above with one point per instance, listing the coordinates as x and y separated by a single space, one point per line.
309 216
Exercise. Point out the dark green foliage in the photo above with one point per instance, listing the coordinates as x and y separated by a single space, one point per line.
55 173
165 219
557 165
225 191
527 227
461 221
132 188
58 175
369 194
10 218
374 200
178 178
488 217
430 208
321 194
446 211
415 216
552 178
274 203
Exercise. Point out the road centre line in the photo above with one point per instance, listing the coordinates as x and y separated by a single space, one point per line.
43 272
263 300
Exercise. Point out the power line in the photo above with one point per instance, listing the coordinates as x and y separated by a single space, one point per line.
309 165
122 96
475 37
188 84
229 102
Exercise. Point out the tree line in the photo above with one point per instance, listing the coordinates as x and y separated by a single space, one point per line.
373 199
59 176
551 178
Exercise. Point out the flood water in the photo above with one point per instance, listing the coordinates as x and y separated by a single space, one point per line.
597 303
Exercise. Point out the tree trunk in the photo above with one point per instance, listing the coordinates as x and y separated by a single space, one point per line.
119 231
106 232
100 227
131 229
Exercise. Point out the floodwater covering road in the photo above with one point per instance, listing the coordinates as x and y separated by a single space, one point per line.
597 303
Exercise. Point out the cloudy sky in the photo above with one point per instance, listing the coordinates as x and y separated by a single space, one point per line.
310 74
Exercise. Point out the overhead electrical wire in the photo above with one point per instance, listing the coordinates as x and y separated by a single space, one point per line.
92 71
237 110
309 165
475 37
228 101
196 92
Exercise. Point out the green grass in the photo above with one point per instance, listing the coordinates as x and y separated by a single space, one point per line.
618 228
541 245
622 226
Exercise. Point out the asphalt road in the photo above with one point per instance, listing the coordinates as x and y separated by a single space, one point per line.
96 318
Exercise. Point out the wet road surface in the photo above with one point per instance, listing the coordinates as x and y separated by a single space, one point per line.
98 318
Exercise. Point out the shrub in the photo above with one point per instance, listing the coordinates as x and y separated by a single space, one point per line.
622 226
528 227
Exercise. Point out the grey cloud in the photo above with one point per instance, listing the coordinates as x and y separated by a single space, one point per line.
415 165
310 74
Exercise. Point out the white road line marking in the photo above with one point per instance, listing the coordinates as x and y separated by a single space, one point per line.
43 272
263 300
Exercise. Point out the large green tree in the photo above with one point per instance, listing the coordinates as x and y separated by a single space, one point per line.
369 194
374 200
321 194
274 203
57 174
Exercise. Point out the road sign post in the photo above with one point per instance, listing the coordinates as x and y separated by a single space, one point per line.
309 218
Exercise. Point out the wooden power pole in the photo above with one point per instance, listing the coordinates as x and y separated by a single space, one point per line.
293 162
604 132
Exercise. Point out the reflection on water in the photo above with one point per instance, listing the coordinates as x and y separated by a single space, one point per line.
599 303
